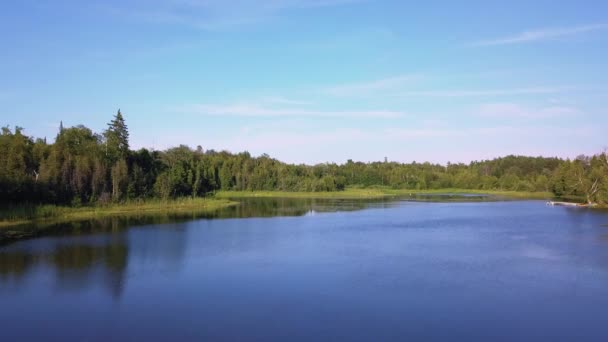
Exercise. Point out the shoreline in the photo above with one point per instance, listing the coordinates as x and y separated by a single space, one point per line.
49 214
14 218
377 193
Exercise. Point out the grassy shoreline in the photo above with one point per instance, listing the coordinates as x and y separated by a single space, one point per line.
21 215
375 193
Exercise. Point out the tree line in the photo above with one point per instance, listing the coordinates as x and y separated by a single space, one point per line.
82 167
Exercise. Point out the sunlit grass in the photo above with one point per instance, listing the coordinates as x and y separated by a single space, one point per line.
378 192
23 214
17 215
346 194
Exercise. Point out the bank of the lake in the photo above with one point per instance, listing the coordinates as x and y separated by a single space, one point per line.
13 218
378 192
25 215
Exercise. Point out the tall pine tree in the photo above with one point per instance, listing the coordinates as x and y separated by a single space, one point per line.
117 139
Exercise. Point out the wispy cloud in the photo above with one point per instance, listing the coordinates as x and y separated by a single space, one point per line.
542 34
479 92
513 111
402 86
487 131
260 110
280 100
216 15
365 88
422 133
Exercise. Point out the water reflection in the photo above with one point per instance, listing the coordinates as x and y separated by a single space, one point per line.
367 273
248 207
77 265
449 197
269 207
96 252
78 255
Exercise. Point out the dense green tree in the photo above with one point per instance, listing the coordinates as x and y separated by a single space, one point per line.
117 139
120 180
82 167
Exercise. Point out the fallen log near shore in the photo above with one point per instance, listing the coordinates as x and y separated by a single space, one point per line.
571 204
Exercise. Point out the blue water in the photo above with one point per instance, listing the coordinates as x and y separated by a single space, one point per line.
475 271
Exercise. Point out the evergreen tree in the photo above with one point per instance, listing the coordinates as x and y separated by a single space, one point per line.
81 167
117 139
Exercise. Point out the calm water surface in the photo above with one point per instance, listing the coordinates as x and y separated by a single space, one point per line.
316 270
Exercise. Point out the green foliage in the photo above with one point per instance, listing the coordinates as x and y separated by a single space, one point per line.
584 177
117 139
120 180
82 168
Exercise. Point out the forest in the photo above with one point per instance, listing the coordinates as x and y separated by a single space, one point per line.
83 167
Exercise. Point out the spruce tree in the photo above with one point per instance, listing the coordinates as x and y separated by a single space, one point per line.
117 139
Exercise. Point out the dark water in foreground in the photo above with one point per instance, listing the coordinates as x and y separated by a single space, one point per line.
334 270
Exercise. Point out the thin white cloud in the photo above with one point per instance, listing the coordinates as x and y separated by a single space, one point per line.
487 132
364 88
421 133
530 131
256 110
264 141
476 93
280 100
513 110
542 34
401 85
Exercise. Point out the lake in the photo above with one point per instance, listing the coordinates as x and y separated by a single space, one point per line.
312 270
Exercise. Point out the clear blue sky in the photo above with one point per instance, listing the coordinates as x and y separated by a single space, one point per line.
317 80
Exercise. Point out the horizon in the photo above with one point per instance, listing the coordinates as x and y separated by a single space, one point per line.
331 80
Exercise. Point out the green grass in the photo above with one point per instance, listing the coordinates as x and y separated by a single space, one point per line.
500 193
19 215
346 194
376 192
